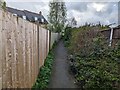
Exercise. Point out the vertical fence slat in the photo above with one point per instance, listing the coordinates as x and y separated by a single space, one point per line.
14 63
36 52
29 54
12 54
0 50
32 44
17 40
31 59
8 51
40 46
21 61
23 54
42 43
4 50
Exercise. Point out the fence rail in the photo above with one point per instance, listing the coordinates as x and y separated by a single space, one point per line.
23 49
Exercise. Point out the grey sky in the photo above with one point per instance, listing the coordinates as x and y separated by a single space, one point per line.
92 11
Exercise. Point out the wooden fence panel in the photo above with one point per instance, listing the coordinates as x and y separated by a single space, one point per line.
17 52
44 44
40 46
4 43
27 55
8 51
24 47
36 53
0 50
23 53
31 54
33 60
14 54
19 45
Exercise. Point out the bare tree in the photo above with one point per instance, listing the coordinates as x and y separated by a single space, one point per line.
57 15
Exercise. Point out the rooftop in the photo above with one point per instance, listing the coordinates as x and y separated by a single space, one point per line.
30 16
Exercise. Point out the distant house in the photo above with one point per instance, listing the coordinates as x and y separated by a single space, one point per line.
30 16
71 22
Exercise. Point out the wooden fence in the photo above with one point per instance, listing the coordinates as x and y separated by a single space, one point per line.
23 49
115 36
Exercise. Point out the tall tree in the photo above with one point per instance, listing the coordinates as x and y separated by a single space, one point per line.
57 15
2 4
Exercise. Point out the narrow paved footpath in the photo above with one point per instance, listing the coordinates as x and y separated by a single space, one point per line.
60 77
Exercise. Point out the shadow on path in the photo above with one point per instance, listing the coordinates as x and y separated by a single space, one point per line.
60 77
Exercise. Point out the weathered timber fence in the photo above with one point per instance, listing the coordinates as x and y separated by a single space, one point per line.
115 36
23 49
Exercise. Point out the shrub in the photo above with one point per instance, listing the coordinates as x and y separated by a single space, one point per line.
67 36
98 68
93 63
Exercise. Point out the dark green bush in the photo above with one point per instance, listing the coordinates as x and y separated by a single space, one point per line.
67 36
95 65
98 68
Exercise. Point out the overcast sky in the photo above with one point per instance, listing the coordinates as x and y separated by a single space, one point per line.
90 11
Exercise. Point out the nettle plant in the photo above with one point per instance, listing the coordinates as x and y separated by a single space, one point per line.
99 67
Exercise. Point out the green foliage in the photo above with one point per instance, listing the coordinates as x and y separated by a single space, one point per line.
93 63
57 16
67 35
98 68
81 36
3 5
45 73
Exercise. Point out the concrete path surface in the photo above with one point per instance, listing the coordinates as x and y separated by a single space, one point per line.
60 77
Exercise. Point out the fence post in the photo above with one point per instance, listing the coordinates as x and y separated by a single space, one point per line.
111 37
